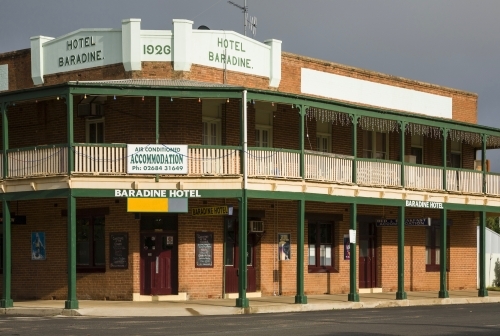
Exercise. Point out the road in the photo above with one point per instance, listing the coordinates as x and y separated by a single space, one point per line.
477 319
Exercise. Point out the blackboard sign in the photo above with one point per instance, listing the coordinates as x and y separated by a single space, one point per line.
204 250
118 250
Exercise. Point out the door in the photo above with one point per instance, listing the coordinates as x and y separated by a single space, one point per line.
367 255
232 258
158 264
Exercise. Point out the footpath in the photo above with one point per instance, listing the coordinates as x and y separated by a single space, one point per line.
274 304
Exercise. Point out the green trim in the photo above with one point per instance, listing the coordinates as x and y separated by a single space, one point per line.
402 149
107 193
242 300
300 296
401 294
273 149
464 170
443 260
302 117
214 147
482 292
25 149
353 293
106 145
34 195
71 302
6 301
354 146
70 132
163 91
379 160
5 140
483 161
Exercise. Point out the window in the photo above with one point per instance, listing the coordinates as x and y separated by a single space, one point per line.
90 256
321 247
211 118
417 148
324 137
263 128
455 155
95 130
433 248
375 145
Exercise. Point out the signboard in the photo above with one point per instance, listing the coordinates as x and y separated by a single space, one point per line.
179 205
347 248
212 211
423 204
118 250
38 246
157 159
352 236
284 250
408 222
204 252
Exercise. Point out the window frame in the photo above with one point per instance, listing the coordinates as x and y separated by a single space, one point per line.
92 267
419 146
94 121
263 122
258 135
454 152
434 265
317 268
373 149
218 136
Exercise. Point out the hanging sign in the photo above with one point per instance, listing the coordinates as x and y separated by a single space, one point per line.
408 222
157 159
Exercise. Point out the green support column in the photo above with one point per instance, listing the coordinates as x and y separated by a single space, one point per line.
483 160
402 126
353 292
482 255
242 300
302 115
300 297
401 294
69 126
444 153
157 123
5 140
6 301
71 302
354 143
443 292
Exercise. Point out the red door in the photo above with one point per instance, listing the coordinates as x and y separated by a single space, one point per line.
158 264
232 258
367 255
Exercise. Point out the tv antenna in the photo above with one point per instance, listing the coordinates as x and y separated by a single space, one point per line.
247 20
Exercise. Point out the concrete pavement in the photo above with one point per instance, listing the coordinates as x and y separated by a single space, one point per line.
273 304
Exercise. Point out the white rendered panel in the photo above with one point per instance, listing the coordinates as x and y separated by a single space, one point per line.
365 92
93 47
156 45
246 55
4 77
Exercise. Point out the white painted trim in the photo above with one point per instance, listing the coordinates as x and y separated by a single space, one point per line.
249 295
4 77
131 44
182 31
275 62
37 72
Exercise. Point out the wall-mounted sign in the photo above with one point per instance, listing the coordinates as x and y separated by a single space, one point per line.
408 222
352 236
204 252
38 246
146 193
179 205
157 159
222 210
423 204
118 250
284 249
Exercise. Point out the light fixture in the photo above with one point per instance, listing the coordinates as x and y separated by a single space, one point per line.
142 98
36 101
57 97
253 101
293 106
199 100
227 101
13 104
114 97
171 99
85 96
272 103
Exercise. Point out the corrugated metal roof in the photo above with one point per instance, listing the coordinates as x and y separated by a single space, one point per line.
155 82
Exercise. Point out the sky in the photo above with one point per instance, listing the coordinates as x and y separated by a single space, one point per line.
454 43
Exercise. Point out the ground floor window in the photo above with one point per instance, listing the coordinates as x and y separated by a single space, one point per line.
90 255
433 248
321 247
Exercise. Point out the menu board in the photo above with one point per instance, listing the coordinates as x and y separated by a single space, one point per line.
118 250
204 249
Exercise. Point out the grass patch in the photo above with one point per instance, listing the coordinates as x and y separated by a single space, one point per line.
493 288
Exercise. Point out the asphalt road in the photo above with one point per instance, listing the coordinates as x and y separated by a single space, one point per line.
477 319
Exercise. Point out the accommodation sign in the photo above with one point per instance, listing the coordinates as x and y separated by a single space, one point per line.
422 204
157 159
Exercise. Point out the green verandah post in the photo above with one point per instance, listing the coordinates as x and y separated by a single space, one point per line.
401 294
353 293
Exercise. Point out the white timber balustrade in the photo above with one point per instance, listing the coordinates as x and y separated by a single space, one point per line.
38 161
378 173
464 181
100 159
273 163
493 184
214 161
328 167
423 178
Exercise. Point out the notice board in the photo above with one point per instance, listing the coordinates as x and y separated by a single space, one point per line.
118 250
204 249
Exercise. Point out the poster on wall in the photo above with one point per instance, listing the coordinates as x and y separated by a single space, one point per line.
38 246
284 250
347 248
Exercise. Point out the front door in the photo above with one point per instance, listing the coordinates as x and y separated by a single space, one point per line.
367 255
232 258
158 263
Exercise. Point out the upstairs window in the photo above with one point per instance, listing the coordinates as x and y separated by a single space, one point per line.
95 130
455 155
263 126
375 145
324 137
417 148
211 119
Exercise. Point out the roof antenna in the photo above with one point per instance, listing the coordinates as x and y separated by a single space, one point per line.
247 20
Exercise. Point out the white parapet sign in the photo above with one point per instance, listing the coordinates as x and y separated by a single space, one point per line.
157 159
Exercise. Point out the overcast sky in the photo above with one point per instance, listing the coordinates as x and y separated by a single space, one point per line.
454 43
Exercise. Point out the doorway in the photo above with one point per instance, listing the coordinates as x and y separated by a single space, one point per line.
159 255
367 255
231 245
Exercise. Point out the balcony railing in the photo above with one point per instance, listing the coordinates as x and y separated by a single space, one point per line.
111 159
